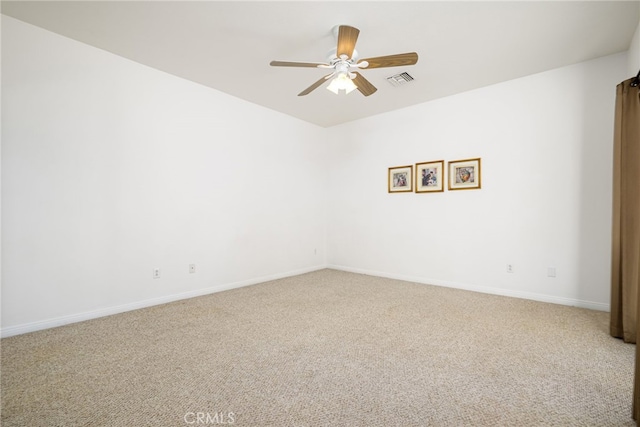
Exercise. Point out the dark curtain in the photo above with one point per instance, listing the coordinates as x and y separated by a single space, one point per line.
626 213
625 267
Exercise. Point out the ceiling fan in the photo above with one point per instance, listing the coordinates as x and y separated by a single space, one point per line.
343 60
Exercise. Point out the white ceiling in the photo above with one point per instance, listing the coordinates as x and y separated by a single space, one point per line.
228 45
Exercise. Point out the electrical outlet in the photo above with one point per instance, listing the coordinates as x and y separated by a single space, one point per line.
156 273
509 268
192 268
551 272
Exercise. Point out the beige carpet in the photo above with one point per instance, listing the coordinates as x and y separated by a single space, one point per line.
327 348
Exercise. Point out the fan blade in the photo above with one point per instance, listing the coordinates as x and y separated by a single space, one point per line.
347 37
296 64
392 60
364 86
314 86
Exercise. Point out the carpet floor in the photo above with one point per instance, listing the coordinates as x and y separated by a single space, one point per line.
327 348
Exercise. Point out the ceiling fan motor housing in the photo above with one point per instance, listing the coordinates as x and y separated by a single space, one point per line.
333 57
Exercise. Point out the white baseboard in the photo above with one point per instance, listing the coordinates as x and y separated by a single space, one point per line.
94 314
80 317
483 289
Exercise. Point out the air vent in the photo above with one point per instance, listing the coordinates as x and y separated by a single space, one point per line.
400 79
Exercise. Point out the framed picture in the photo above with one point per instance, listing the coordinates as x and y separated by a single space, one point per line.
400 179
464 174
430 176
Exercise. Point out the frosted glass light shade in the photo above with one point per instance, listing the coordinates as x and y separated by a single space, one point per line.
342 82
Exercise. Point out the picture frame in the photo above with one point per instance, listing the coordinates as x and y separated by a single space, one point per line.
465 174
430 177
400 179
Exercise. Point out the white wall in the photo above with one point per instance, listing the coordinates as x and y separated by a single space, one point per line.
633 64
111 169
546 148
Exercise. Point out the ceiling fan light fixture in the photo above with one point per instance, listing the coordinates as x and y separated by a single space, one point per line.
342 82
343 59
